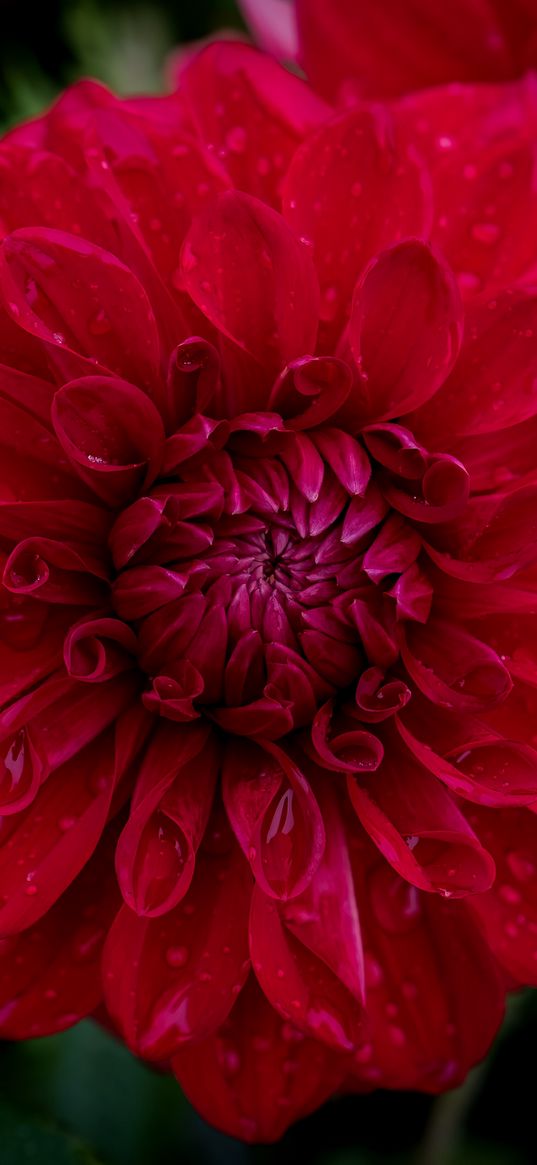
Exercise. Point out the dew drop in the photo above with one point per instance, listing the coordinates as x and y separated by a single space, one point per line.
236 140
487 233
100 325
521 867
509 894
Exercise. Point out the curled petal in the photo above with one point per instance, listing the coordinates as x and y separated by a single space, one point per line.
112 434
378 697
310 390
193 378
275 817
98 649
83 303
444 490
396 449
345 752
56 572
405 329
156 852
451 667
174 697
419 829
173 980
485 767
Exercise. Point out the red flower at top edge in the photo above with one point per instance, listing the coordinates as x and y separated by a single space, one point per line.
363 48
268 653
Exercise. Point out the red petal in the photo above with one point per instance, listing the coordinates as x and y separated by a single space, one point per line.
273 25
258 1075
405 329
251 112
508 913
111 433
173 798
307 955
98 649
273 316
419 829
45 847
451 667
473 760
364 49
275 817
351 190
434 996
492 384
174 980
50 975
83 302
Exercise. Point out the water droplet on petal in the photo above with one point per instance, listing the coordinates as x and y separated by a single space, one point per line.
100 325
177 956
236 140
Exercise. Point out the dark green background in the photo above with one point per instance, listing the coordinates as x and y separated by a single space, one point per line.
80 1098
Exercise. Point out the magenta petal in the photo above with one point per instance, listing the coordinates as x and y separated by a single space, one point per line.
52 840
419 829
50 973
250 112
405 329
274 319
156 852
173 980
239 1077
112 434
491 385
508 912
352 189
275 817
451 667
74 296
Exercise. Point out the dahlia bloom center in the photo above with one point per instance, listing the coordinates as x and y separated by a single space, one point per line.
247 582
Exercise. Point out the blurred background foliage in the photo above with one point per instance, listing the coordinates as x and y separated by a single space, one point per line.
45 44
80 1098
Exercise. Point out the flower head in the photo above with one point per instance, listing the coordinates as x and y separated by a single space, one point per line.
268 653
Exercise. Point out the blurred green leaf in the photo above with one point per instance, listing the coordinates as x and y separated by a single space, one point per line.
91 1085
125 47
24 1139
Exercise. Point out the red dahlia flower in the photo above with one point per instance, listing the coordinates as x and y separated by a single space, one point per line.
367 48
268 665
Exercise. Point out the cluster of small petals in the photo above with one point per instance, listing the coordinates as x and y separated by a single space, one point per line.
268 547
